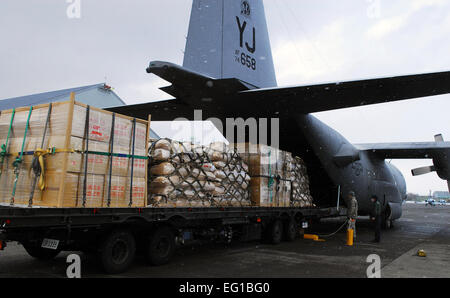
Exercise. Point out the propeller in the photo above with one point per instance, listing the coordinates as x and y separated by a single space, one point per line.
429 169
423 170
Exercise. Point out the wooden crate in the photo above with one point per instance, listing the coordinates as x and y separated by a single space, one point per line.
65 169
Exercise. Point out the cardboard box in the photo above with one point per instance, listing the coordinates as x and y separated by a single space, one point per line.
262 194
265 160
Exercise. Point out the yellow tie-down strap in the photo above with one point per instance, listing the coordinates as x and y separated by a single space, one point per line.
40 154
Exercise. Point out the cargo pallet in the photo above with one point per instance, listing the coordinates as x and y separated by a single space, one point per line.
117 234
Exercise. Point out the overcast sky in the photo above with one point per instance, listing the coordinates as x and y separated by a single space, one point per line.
42 49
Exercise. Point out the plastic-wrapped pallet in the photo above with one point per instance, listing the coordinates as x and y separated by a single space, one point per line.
188 175
301 196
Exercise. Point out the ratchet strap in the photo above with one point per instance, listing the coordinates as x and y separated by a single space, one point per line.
4 147
19 159
38 162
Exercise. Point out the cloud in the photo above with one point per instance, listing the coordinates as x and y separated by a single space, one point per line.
387 26
305 60
145 91
390 25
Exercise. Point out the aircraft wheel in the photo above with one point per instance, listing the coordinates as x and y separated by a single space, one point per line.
387 222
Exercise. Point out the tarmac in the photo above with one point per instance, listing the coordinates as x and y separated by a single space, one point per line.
421 227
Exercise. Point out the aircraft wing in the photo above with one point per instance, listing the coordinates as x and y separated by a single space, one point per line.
406 150
324 97
300 99
438 151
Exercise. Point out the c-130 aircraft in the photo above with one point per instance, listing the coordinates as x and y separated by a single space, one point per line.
228 72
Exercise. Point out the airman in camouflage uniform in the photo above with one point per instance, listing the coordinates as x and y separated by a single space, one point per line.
376 217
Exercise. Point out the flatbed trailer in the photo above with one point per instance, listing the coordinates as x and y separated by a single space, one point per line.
117 234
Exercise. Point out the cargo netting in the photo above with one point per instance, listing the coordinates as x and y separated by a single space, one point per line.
183 174
301 196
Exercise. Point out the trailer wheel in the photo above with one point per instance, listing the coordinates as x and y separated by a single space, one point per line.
290 228
40 253
160 246
276 232
117 251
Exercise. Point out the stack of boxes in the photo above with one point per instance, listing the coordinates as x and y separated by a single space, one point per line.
64 167
270 171
277 178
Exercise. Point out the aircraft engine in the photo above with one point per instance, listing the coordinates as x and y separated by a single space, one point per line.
441 164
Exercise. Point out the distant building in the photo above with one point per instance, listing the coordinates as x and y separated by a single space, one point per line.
98 95
441 195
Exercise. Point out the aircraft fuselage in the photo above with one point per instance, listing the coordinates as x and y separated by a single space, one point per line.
352 170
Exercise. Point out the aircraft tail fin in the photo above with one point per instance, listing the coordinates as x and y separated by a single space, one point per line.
230 39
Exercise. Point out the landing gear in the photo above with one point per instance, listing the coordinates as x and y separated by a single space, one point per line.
117 251
387 223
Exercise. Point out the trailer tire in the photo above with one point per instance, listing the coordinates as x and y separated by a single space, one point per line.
160 246
276 232
40 253
117 251
290 229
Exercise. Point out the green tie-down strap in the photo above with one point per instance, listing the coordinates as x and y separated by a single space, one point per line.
4 147
3 153
3 150
114 154
53 150
18 161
